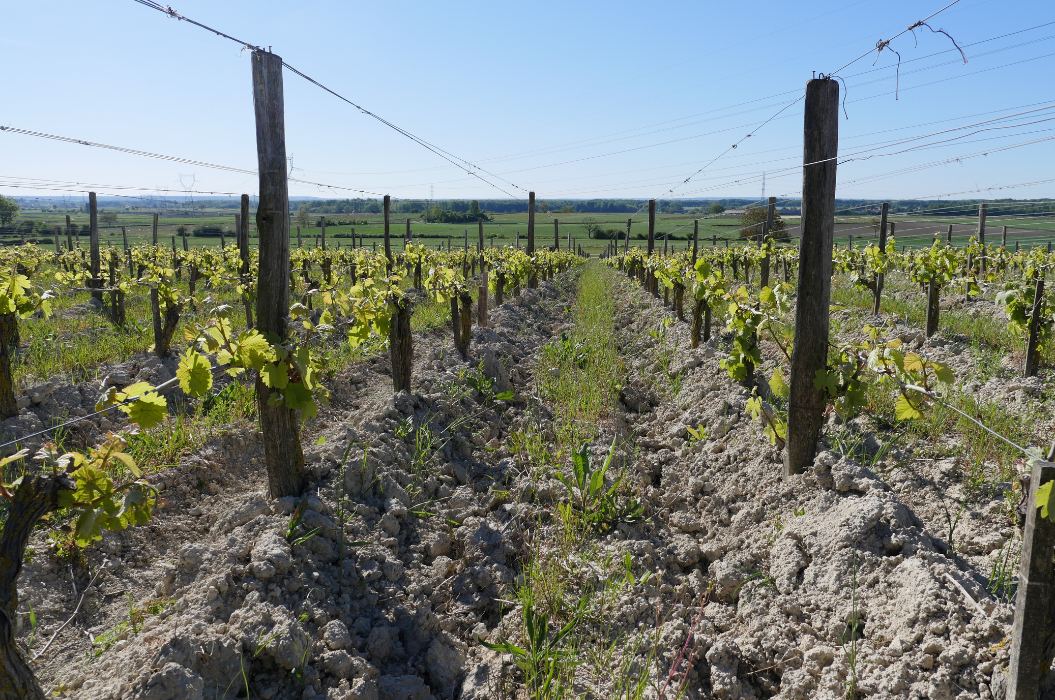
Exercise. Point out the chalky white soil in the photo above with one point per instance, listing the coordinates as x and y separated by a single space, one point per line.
398 617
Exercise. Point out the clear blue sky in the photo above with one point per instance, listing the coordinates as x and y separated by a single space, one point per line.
569 99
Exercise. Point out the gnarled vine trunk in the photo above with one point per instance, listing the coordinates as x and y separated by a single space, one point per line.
8 344
36 495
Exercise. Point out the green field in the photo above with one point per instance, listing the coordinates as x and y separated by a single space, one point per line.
503 229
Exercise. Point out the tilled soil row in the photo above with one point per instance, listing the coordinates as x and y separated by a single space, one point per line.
231 600
792 563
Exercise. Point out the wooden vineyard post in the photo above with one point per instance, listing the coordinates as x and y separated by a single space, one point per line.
879 280
58 246
820 148
401 344
93 232
278 424
626 241
948 235
322 225
154 229
243 254
466 315
1033 343
481 311
933 309
556 235
532 276
1033 620
407 237
456 325
650 280
388 240
981 231
695 240
1003 238
124 239
155 317
767 234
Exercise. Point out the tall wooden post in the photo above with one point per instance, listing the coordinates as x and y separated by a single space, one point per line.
767 235
154 229
948 235
481 311
1028 665
1003 238
626 241
322 225
388 241
278 424
69 233
1033 340
243 253
877 293
532 277
480 249
695 240
93 224
650 281
820 148
556 235
981 231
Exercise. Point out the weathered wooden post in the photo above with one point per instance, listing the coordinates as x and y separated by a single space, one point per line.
532 276
1030 659
388 240
820 148
322 225
650 280
1003 238
124 238
69 233
243 253
154 229
948 235
556 235
278 424
626 241
880 278
767 235
93 232
695 240
466 316
1033 342
933 309
981 231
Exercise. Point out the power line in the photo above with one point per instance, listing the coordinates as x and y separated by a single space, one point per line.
469 167
174 159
